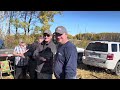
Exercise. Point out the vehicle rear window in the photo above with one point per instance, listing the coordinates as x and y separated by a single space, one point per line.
103 47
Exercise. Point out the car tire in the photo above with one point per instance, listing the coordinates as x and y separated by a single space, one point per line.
117 69
108 71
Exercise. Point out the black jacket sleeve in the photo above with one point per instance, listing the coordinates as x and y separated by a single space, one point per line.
46 53
30 51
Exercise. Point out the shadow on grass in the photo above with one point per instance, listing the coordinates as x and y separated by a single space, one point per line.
90 68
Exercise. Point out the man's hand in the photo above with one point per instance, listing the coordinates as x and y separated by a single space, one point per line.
42 58
22 55
25 51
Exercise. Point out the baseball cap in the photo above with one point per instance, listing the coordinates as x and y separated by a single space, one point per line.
47 32
60 30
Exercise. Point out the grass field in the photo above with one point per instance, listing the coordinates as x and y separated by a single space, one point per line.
84 72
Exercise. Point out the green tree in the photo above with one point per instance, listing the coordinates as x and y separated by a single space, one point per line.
70 36
46 17
37 30
16 24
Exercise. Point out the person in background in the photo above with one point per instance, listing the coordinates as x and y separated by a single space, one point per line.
20 61
65 65
2 45
44 55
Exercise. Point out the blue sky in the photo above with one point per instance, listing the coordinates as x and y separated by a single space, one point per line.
88 21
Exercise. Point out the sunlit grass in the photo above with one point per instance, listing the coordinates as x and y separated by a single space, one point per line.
84 72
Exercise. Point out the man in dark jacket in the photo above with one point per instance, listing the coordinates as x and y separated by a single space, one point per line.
44 55
32 62
65 66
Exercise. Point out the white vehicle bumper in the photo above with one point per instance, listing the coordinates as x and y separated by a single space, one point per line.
94 62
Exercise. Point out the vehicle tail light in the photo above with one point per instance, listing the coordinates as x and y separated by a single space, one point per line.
110 56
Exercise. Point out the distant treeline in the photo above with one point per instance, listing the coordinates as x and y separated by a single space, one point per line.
99 36
80 40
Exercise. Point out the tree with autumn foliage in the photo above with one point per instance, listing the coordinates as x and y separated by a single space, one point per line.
46 17
28 22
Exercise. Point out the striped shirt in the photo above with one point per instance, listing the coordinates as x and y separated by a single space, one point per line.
19 50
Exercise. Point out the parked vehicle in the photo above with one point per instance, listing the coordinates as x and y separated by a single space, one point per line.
80 54
103 54
5 52
2 44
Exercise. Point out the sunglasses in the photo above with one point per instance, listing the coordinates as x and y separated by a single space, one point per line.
46 35
58 34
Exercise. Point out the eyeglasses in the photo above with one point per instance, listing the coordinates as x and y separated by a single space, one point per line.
46 35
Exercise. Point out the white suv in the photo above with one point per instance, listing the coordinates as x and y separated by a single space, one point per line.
103 54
